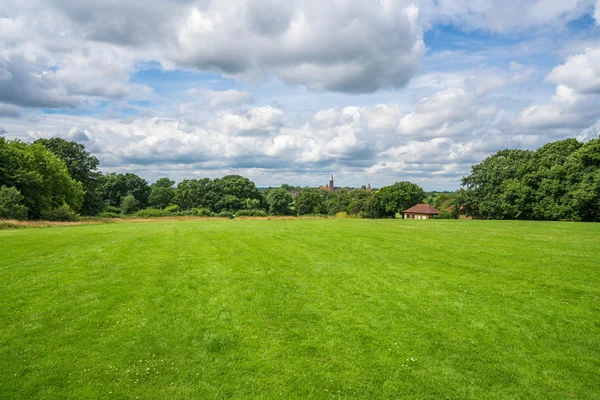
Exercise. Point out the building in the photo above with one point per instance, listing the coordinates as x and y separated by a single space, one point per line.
421 211
330 187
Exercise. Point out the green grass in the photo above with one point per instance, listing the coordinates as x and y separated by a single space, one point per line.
301 309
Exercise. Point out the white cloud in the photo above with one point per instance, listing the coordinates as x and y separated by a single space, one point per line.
580 72
217 99
568 110
504 16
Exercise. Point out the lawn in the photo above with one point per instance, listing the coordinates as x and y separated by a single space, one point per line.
301 309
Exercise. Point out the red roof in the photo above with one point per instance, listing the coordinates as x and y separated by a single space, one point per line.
422 209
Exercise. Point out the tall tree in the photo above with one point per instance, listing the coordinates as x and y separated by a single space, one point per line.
400 196
161 193
280 201
82 167
116 186
41 177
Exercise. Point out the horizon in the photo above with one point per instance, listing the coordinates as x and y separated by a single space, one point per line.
285 93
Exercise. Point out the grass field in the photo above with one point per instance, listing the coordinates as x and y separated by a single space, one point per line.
301 309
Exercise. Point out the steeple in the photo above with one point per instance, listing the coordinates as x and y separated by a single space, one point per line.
331 182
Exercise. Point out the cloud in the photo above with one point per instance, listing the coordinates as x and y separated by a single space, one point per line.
3 131
318 44
215 99
580 72
568 110
8 111
506 16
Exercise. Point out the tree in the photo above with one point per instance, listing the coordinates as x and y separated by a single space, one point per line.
41 177
161 193
116 186
11 204
279 201
82 167
195 193
309 201
399 196
129 204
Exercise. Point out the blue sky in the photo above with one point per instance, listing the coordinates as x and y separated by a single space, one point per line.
288 92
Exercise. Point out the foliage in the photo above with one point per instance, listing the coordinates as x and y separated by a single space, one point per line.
560 180
129 204
251 213
173 208
41 177
161 193
109 214
280 201
309 201
152 212
192 193
205 212
399 197
11 204
82 167
115 187
60 213
111 209
224 214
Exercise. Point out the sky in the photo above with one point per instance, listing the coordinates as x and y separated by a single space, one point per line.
373 91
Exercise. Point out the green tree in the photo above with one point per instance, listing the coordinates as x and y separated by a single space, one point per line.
11 204
129 204
399 196
195 193
82 167
309 201
280 201
41 177
161 193
116 186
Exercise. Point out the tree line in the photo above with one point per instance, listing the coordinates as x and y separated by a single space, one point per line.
55 179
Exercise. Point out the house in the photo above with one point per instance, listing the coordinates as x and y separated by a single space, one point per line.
421 211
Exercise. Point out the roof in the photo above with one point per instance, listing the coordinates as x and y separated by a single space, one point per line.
423 209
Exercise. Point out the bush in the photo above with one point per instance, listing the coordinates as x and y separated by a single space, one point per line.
186 213
108 214
342 214
152 212
61 213
129 204
251 213
445 214
204 212
172 209
10 204
111 209
224 214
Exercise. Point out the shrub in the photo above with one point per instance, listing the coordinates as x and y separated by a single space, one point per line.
108 214
445 214
186 213
60 213
342 214
204 212
152 212
129 204
173 208
111 209
10 204
224 214
251 213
